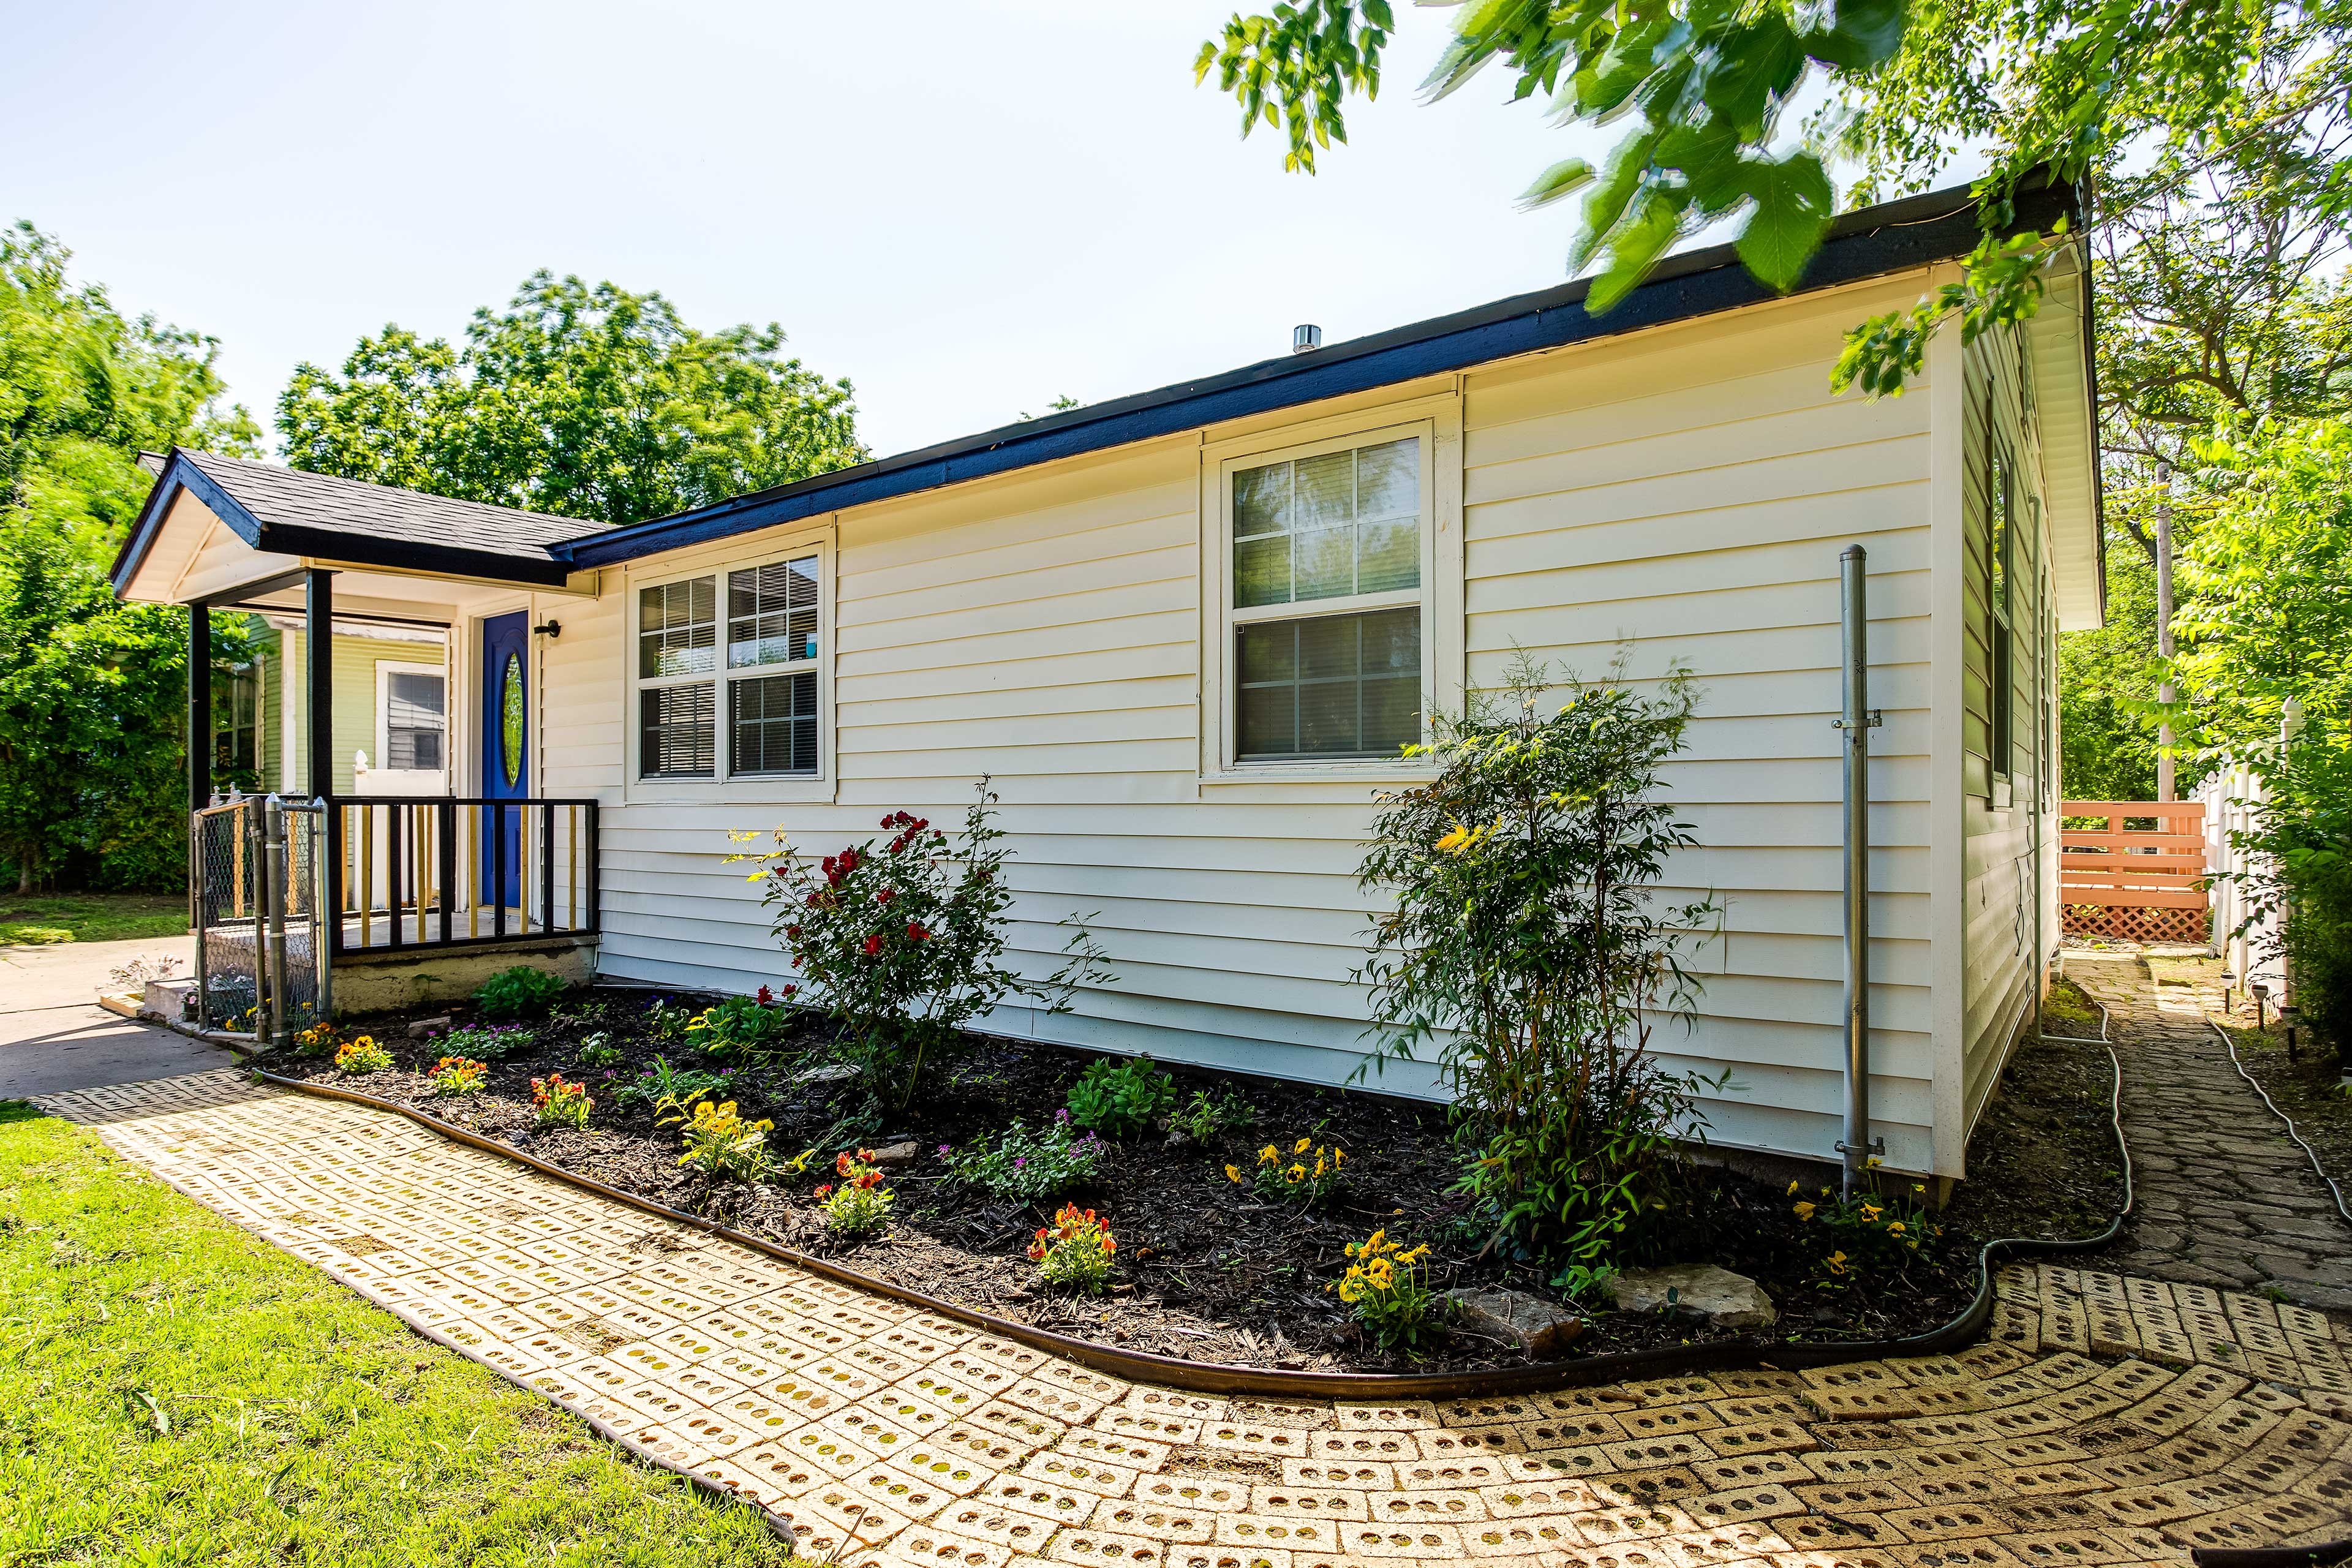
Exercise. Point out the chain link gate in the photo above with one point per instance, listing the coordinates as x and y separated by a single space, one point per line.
257 865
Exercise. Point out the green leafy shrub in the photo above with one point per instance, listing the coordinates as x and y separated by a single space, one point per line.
560 1103
719 1143
1204 1120
488 1042
739 1025
1027 1166
903 943
1119 1100
1528 954
599 1051
857 1204
1075 1251
669 1092
520 992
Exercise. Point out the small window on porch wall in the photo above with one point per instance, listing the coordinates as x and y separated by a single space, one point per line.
414 721
750 673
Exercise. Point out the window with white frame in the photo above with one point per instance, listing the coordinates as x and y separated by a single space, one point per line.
745 669
1326 594
416 719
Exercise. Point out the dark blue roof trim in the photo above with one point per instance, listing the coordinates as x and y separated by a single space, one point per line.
1887 238
179 474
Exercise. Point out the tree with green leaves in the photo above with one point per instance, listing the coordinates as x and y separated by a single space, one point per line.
1704 89
92 692
587 401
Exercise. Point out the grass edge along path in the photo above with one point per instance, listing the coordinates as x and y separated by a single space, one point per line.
174 1391
40 921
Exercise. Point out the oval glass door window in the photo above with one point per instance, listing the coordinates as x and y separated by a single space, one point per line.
511 719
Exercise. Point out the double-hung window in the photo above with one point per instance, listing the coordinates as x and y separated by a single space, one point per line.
726 673
1327 557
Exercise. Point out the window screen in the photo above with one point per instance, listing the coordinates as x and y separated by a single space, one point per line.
771 724
771 614
415 721
1328 527
677 629
1336 686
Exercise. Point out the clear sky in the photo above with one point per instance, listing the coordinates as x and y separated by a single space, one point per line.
966 208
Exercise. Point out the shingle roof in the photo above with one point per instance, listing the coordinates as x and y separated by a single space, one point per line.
291 498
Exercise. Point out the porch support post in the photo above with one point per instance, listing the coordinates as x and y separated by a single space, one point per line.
200 706
318 658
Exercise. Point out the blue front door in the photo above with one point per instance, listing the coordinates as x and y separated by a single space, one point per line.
506 751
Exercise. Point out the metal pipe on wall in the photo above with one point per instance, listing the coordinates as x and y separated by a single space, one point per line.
1857 720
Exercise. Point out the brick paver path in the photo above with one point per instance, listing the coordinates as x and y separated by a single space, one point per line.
2225 1198
2110 1420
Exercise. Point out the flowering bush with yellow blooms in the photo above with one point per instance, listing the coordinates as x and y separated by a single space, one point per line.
1386 1288
560 1101
458 1075
1307 1175
363 1054
857 1204
1867 1232
1076 1250
719 1143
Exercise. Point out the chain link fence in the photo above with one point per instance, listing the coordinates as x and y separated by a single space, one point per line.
258 865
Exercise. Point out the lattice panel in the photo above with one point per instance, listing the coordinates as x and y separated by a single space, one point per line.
2121 922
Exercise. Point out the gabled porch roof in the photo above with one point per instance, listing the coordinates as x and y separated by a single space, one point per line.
218 529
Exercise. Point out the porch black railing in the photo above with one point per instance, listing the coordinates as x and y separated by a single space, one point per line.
441 871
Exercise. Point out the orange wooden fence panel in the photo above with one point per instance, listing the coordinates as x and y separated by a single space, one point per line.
2136 884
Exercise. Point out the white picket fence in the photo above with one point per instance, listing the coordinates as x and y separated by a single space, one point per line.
2251 955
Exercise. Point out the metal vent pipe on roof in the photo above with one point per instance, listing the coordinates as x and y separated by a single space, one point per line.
1304 338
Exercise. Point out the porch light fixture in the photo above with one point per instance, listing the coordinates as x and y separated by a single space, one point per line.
554 628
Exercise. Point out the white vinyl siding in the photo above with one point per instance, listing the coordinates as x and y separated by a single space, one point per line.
1680 493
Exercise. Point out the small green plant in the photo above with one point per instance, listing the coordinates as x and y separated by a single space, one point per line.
488 1042
1028 1166
1386 1288
857 1205
719 1143
560 1103
598 1050
1075 1251
520 992
668 1092
1867 1233
739 1025
1121 1099
1204 1120
361 1055
668 1021
318 1040
1306 1176
453 1075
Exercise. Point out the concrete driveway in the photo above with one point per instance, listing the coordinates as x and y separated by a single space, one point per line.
53 1036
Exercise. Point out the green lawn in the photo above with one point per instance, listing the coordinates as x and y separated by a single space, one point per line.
91 917
175 1390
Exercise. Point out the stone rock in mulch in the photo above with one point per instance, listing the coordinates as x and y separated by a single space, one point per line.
1538 1327
1177 1139
831 1072
896 1153
424 1027
1717 1296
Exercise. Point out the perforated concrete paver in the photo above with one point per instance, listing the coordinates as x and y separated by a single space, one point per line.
2110 1419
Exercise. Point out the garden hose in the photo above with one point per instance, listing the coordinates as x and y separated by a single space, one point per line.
2309 1152
1210 1377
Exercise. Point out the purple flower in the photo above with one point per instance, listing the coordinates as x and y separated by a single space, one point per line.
1063 1114
944 1150
1019 1161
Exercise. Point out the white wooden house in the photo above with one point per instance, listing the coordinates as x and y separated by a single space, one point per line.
1185 631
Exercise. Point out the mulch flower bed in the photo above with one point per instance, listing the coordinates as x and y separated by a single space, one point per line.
1204 1269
